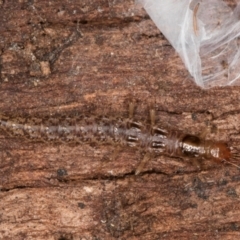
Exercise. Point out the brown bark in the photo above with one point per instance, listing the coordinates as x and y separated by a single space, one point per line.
70 57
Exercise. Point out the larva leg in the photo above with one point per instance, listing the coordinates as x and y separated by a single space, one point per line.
204 133
131 110
147 156
210 128
117 149
142 164
197 163
152 117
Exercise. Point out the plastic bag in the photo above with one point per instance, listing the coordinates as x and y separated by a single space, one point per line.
205 34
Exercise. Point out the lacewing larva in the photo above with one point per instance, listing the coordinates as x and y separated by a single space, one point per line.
148 138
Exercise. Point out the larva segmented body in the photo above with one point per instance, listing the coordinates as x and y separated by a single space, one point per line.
124 132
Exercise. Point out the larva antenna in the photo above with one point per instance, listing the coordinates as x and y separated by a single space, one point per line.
233 164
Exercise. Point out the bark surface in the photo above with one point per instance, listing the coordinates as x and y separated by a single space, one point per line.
94 57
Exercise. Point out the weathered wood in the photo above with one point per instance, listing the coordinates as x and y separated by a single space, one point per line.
93 57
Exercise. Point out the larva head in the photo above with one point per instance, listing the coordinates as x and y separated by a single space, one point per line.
220 152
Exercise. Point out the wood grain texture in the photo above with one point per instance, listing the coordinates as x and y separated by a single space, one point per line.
73 57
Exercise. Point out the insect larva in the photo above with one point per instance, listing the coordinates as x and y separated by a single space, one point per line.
149 138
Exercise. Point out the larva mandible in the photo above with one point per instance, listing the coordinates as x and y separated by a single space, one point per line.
150 138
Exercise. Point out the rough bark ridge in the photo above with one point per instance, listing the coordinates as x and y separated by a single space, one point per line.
70 57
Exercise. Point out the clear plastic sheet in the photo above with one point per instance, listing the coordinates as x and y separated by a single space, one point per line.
205 34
